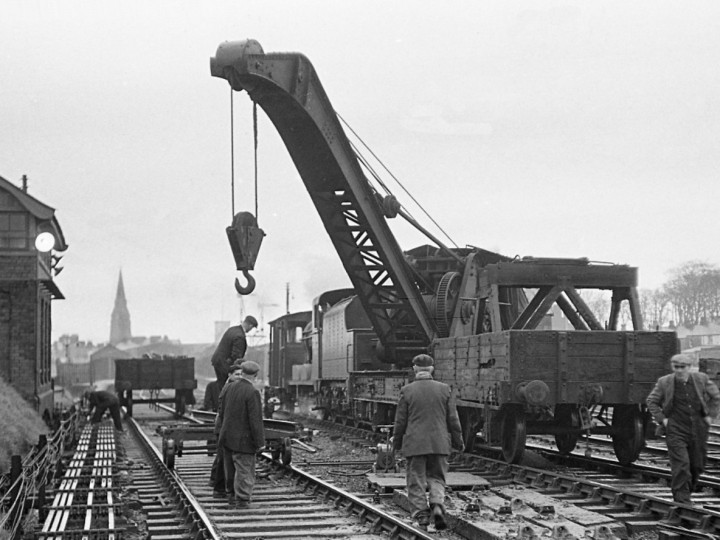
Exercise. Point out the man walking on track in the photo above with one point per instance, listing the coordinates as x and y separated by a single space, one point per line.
427 426
685 403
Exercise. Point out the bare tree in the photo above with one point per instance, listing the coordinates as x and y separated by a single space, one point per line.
654 307
598 302
694 292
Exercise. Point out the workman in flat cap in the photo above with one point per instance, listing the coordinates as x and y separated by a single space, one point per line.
427 428
232 347
222 482
241 433
685 403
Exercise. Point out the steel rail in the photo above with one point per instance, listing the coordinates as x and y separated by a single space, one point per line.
658 472
379 520
641 503
382 521
194 511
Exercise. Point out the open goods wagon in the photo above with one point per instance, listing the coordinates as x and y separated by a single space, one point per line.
154 376
516 383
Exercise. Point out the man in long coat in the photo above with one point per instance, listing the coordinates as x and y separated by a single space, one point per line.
241 433
426 428
685 404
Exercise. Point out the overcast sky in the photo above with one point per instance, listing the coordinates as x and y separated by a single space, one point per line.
543 128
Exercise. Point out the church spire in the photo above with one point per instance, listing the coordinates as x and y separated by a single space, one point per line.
120 319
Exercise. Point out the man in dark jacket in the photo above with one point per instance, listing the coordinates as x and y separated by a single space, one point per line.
685 404
231 348
100 401
242 433
220 480
426 428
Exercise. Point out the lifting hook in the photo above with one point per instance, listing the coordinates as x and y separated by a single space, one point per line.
247 289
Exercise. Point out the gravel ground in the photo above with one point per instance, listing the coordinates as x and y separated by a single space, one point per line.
350 476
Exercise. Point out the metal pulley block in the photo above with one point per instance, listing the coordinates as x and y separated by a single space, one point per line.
245 239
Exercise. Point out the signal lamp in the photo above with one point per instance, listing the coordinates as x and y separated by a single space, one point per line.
44 242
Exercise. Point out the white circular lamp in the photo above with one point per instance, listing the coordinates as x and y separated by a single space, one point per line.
44 242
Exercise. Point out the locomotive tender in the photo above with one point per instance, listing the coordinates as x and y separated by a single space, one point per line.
483 316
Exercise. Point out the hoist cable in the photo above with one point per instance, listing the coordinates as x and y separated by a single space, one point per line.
255 140
232 158
392 175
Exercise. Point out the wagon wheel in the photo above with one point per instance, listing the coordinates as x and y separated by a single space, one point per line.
169 454
568 417
512 434
286 451
628 433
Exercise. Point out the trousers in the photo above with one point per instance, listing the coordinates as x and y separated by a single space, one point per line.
687 449
426 473
244 475
217 473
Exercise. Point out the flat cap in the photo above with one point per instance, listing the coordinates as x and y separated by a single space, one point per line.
252 321
249 367
681 359
423 360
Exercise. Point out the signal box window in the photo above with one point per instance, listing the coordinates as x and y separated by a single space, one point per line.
14 230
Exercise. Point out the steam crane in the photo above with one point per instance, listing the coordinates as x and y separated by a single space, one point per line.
511 371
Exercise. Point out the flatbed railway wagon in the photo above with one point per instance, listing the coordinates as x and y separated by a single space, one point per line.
150 377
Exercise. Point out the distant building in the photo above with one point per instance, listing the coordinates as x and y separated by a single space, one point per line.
120 319
102 363
700 335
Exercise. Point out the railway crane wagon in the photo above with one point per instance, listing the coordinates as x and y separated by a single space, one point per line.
481 314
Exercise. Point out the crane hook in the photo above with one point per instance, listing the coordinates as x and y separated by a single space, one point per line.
247 289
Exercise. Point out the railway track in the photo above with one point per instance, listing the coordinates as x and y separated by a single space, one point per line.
116 486
635 498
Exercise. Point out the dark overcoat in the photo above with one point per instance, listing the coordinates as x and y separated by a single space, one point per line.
232 346
426 420
660 400
240 418
102 399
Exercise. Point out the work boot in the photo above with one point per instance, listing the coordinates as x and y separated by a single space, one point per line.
423 519
439 516
217 494
241 503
